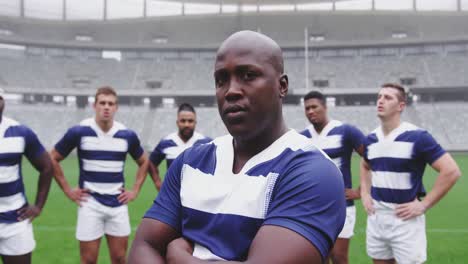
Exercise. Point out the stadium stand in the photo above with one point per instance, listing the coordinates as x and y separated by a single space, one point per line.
191 72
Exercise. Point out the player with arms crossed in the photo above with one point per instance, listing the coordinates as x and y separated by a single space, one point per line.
395 157
172 145
16 214
102 145
337 140
263 194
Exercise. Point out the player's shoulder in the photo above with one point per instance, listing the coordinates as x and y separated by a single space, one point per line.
201 157
8 122
172 136
14 128
169 140
308 162
306 132
83 128
200 138
123 131
298 149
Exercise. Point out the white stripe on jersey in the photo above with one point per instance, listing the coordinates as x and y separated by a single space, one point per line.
391 180
102 165
12 202
328 142
226 197
104 144
202 252
390 149
9 173
173 152
337 162
112 188
12 145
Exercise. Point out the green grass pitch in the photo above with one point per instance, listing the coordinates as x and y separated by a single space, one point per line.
447 222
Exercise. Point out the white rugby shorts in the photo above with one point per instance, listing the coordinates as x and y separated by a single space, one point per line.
17 238
389 237
348 228
96 219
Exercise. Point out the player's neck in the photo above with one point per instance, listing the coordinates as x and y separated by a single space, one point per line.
183 138
388 125
244 149
105 126
320 126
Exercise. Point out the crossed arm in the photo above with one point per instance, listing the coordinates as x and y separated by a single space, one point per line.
157 242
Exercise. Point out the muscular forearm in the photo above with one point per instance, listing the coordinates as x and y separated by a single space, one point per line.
142 253
365 177
443 184
60 178
154 173
43 187
142 171
140 178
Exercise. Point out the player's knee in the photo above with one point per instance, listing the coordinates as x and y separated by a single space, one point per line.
119 259
88 260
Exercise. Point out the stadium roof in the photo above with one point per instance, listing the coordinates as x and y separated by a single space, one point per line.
119 9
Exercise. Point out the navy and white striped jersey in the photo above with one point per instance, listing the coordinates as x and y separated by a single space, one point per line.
290 184
172 145
16 140
101 157
338 140
397 162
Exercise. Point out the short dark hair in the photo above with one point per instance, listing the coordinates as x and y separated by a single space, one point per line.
107 90
186 107
316 95
399 88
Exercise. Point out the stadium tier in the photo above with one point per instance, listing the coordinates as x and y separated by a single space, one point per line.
192 71
152 124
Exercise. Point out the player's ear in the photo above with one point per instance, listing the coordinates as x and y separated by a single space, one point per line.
284 85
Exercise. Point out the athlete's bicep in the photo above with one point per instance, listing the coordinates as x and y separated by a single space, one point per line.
275 244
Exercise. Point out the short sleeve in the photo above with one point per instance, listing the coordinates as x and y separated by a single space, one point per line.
366 144
134 148
428 148
309 199
68 142
167 207
157 155
355 137
33 147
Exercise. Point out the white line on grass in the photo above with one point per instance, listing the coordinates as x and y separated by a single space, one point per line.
434 230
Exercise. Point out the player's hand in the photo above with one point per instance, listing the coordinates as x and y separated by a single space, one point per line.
179 251
29 212
126 196
409 210
77 195
368 204
352 194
